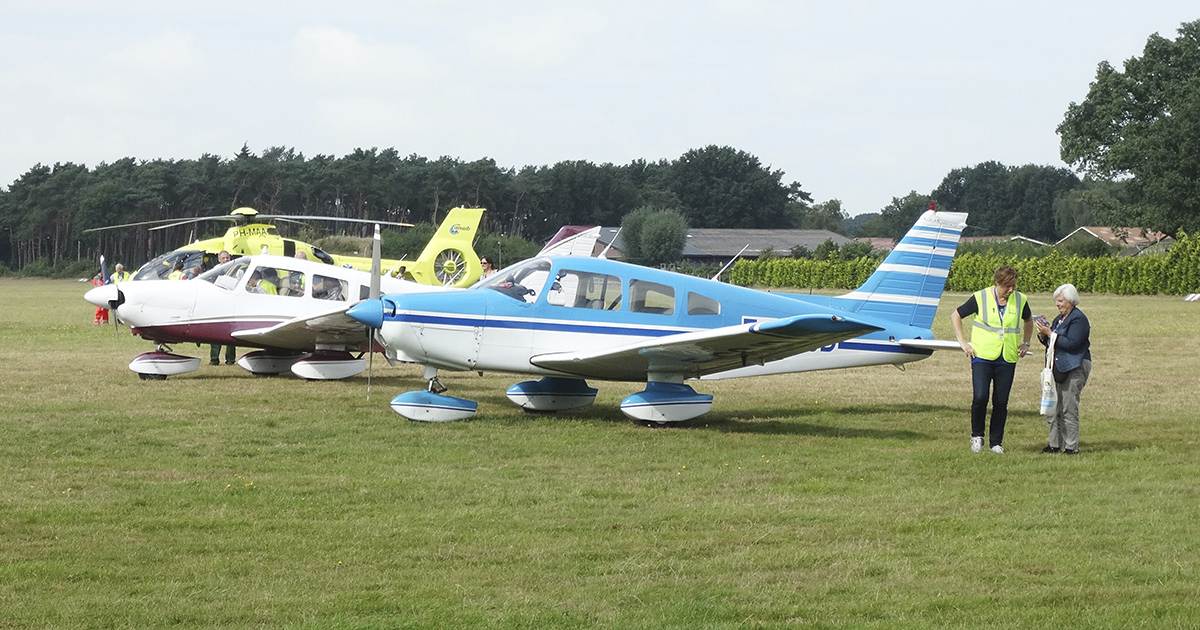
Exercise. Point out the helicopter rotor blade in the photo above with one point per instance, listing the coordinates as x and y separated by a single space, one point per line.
193 220
171 221
287 220
322 218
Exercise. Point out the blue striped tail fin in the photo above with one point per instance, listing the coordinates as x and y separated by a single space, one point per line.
908 284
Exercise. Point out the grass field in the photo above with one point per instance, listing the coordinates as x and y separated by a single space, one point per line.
835 499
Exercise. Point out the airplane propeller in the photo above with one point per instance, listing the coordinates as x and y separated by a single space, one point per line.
376 263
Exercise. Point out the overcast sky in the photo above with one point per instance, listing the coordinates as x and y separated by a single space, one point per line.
857 101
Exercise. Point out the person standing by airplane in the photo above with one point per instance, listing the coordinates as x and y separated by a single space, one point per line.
178 273
1069 338
488 269
101 312
119 274
998 312
214 350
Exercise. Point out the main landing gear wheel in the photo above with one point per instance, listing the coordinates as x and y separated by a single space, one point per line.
449 266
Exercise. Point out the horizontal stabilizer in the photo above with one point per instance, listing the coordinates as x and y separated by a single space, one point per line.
930 344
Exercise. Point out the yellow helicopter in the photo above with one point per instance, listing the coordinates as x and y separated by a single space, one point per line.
449 259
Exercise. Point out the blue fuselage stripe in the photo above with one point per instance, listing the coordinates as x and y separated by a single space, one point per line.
542 326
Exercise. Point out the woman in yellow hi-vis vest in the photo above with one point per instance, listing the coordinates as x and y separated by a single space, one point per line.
998 312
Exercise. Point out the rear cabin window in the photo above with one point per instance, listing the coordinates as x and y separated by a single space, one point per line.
651 297
327 288
701 305
580 289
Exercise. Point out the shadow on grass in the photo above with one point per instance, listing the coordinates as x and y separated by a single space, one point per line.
747 422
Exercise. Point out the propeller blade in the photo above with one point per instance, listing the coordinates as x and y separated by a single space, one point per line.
376 263
104 270
370 359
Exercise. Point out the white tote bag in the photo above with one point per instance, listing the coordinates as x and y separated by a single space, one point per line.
1049 395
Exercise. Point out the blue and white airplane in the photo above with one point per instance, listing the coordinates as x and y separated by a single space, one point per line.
568 319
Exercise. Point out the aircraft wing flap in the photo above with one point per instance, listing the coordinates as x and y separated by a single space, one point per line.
331 327
695 354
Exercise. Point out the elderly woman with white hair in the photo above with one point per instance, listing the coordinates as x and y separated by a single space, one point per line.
1068 338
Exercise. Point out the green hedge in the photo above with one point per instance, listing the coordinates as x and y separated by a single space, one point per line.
1176 273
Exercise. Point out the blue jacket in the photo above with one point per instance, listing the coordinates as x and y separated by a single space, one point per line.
1073 344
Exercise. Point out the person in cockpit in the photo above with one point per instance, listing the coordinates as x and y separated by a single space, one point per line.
259 284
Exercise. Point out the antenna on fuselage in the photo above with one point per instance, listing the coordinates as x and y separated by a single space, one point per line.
610 244
731 261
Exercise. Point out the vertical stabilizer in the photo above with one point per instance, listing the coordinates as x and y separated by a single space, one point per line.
449 258
908 284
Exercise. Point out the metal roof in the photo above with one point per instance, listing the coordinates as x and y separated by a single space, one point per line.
725 243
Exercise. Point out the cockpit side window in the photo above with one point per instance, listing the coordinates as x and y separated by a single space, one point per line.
276 281
651 297
521 282
580 289
702 305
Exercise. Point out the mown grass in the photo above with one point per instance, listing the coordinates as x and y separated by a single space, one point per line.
835 499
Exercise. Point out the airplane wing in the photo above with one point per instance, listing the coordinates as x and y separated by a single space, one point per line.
331 327
695 354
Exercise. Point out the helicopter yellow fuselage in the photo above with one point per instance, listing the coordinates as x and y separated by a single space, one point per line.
448 259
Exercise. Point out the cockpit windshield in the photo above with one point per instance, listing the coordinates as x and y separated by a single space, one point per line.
226 275
523 281
160 268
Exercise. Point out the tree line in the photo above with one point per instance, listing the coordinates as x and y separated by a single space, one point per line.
46 211
1135 138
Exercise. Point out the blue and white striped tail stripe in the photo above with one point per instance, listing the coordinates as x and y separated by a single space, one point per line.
908 284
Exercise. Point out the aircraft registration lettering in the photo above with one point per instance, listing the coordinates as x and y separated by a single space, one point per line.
251 231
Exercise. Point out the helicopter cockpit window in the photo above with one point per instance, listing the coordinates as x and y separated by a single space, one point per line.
322 256
275 281
580 289
523 281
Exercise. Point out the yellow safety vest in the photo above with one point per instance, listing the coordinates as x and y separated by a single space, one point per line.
177 275
992 335
119 277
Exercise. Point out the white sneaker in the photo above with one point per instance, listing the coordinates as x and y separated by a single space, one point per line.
997 449
976 445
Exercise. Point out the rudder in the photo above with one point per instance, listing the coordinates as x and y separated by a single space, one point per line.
449 258
908 284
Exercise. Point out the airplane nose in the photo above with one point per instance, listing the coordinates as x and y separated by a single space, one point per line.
369 312
102 296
